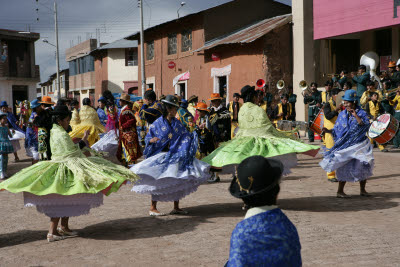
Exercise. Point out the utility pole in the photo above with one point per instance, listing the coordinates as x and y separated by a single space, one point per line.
142 49
57 52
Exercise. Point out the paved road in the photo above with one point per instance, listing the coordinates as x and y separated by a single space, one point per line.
333 232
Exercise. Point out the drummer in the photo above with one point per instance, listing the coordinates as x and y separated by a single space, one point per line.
314 104
283 111
331 112
374 109
396 105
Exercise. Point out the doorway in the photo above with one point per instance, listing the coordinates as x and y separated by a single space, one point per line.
222 88
182 90
19 93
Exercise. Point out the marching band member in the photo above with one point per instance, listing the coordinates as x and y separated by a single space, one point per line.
314 104
331 112
343 79
327 95
260 99
374 109
394 74
396 105
283 110
351 156
234 107
292 100
361 80
366 96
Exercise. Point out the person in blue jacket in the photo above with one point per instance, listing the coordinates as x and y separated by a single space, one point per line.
266 237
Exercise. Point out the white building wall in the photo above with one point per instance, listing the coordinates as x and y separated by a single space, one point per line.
6 90
118 72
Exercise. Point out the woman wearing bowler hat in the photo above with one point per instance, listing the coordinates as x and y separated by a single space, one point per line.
351 156
71 183
170 171
266 237
257 137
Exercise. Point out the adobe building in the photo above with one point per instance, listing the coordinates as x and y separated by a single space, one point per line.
18 72
330 36
219 48
82 79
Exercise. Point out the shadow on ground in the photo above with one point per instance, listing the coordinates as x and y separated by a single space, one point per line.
378 201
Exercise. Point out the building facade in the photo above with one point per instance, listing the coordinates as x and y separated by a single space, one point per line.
49 87
181 56
116 67
18 72
82 79
331 36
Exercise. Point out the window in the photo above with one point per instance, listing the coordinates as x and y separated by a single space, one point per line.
81 65
172 44
131 57
150 50
186 40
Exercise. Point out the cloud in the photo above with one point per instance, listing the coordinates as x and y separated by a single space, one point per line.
81 18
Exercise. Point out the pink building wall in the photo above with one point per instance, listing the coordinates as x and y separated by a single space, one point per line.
339 17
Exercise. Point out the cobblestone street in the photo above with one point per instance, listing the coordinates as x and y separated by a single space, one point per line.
333 232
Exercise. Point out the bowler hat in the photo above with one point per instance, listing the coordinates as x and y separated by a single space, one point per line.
215 96
35 103
392 64
202 106
125 97
46 100
61 110
350 95
172 100
3 104
192 98
256 175
102 99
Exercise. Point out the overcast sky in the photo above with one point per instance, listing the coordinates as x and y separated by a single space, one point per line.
79 19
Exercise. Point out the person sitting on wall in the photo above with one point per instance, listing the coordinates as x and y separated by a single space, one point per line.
266 236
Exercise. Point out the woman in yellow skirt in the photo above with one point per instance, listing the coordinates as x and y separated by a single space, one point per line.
89 120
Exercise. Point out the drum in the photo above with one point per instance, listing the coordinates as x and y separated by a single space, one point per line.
301 125
285 125
383 129
318 123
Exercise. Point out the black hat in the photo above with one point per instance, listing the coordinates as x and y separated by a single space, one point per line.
150 94
247 90
256 175
60 110
172 100
236 95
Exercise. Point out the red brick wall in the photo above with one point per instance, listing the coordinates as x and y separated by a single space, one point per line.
101 73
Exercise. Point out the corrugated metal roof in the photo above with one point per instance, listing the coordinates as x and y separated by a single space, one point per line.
122 43
249 33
